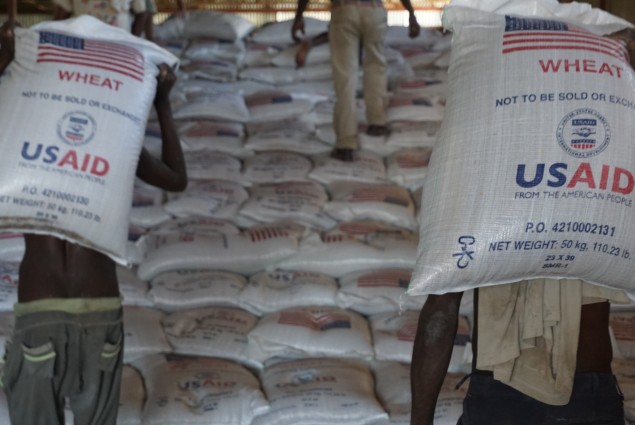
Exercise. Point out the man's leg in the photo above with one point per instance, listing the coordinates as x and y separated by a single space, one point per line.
344 44
374 23
96 398
35 369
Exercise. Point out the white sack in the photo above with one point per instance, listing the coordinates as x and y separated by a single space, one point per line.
275 167
147 205
394 335
190 289
392 385
143 333
211 332
273 105
299 202
338 253
219 136
11 247
532 175
247 253
209 165
269 74
393 389
279 33
414 108
187 229
133 290
219 105
210 50
301 332
296 140
268 292
131 398
212 69
377 291
321 391
387 203
201 391
71 175
408 167
366 167
207 198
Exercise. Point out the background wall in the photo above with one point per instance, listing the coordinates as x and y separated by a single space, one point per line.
262 11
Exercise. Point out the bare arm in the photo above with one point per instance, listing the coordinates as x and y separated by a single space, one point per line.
436 331
7 44
138 24
168 173
298 21
413 26
60 13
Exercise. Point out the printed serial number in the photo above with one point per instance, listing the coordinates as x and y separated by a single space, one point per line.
581 227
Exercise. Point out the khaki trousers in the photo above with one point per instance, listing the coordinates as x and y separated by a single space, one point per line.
353 25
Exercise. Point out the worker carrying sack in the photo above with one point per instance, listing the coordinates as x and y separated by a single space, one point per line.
73 108
532 175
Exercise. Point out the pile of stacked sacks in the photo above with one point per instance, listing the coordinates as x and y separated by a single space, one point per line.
271 290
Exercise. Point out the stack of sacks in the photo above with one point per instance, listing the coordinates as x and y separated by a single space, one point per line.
215 48
416 106
276 259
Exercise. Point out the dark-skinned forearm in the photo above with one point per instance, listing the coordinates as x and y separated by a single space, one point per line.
138 25
408 6
171 151
302 4
434 341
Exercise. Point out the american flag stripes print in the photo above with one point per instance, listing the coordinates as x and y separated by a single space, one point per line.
109 56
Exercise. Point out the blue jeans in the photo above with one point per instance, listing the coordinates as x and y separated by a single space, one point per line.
596 400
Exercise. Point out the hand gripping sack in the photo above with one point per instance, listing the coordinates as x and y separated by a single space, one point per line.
532 175
73 109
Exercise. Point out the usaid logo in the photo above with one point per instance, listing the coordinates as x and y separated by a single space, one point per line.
583 133
76 128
